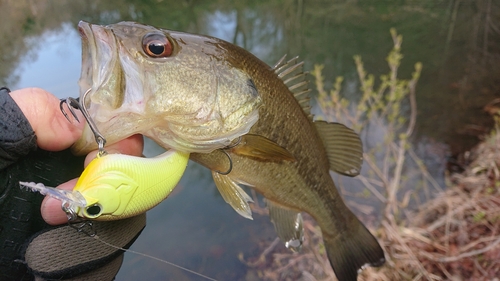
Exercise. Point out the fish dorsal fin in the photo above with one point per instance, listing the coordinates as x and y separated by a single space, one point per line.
294 77
343 147
288 225
262 149
233 194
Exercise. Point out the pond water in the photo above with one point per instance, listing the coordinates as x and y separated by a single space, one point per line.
194 227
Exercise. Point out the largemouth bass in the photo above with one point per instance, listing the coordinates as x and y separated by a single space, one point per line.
270 143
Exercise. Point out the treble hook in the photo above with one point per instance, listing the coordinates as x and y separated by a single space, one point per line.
72 104
224 150
84 226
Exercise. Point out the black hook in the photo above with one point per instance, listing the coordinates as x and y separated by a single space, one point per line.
224 150
230 163
84 226
73 104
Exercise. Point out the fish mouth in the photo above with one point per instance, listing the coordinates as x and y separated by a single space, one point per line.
89 58
87 38
98 60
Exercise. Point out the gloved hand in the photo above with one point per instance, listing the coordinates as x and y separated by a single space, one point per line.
92 254
34 136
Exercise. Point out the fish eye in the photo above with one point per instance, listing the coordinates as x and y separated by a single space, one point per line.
93 211
157 45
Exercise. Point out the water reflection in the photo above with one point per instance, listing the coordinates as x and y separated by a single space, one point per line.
195 227
58 54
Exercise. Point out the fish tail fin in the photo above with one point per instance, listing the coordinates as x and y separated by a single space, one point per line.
352 251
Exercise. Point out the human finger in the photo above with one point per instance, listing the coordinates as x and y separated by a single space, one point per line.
51 209
52 129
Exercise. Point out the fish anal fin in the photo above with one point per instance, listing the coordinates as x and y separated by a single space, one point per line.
352 251
343 147
262 149
233 194
288 225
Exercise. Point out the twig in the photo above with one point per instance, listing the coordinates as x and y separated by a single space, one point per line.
373 190
423 170
375 169
465 255
442 220
413 104
263 255
398 238
445 271
393 187
480 268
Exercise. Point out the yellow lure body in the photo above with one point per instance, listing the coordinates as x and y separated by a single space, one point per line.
118 186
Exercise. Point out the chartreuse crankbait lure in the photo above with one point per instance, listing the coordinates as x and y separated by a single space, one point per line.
118 186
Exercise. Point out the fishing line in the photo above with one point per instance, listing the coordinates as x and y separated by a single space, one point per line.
152 257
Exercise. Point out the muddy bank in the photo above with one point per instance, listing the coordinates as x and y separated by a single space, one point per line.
456 235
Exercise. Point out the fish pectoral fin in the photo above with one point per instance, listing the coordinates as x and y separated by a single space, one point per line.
343 147
288 225
233 194
262 149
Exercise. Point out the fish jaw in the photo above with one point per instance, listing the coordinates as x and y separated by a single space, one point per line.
100 64
101 82
193 101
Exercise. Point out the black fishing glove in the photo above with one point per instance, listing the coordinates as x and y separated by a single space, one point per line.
63 252
51 252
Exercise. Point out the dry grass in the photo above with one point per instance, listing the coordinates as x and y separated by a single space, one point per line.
455 235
